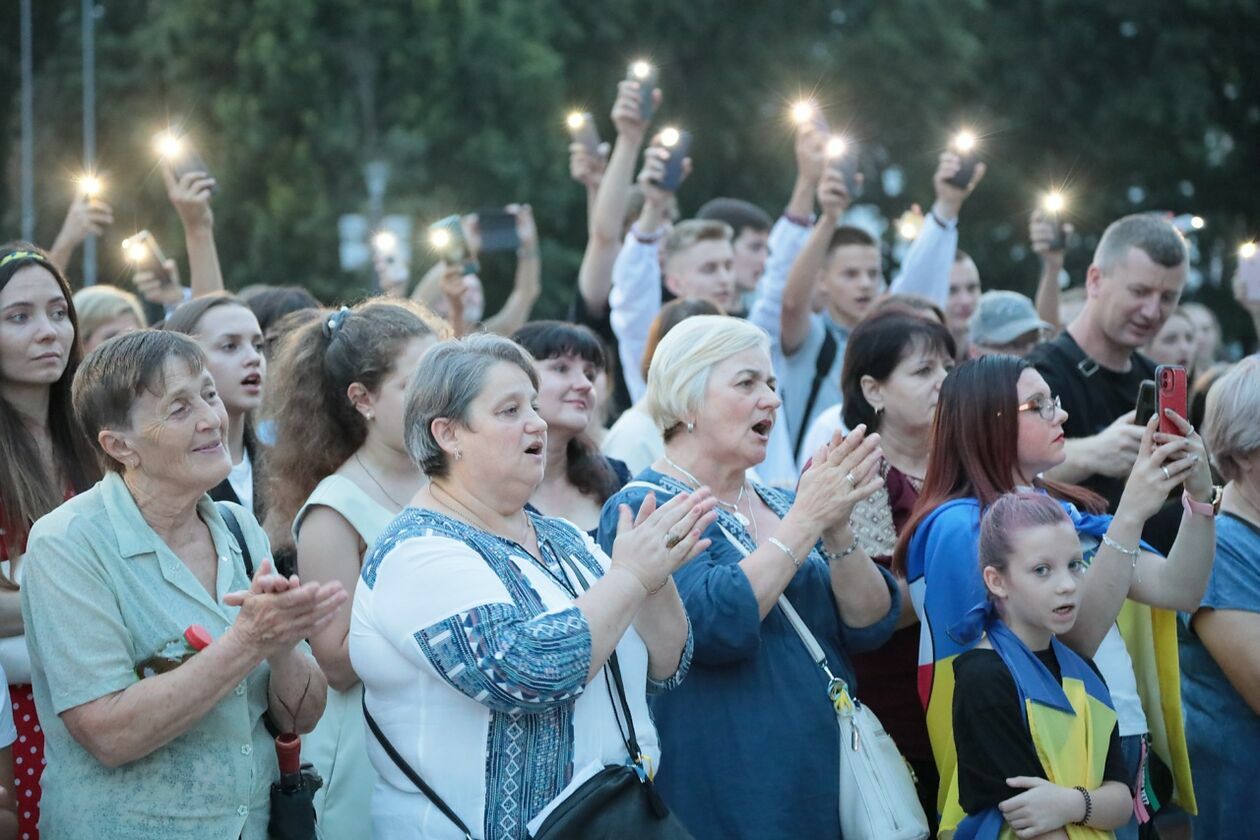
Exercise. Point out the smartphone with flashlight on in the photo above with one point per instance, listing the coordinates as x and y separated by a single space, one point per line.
1249 271
644 72
182 157
842 156
446 236
1171 381
964 145
142 251
1052 210
582 130
678 144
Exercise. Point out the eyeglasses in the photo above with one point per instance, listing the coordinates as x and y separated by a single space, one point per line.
1047 408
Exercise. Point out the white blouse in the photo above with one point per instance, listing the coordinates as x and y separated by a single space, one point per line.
474 661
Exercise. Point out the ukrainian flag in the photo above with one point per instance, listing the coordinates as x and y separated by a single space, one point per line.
945 550
1070 722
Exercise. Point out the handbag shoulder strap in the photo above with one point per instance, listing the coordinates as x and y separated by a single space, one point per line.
631 740
835 686
411 774
229 519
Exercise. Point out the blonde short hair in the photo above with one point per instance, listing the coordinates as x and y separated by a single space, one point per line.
688 233
679 373
1230 429
100 304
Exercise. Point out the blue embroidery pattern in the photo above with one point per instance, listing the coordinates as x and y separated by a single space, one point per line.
525 664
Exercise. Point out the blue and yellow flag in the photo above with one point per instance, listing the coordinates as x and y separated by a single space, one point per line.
945 551
1070 722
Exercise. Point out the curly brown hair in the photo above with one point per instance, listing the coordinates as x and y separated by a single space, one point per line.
316 427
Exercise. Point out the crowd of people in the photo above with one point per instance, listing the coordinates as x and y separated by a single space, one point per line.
475 559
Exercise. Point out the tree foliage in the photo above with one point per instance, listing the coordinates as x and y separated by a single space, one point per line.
1133 106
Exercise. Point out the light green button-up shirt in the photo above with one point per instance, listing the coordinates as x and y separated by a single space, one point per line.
101 592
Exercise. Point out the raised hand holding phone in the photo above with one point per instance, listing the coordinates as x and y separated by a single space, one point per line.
842 158
964 145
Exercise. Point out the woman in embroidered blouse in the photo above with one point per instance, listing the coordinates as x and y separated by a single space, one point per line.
475 649
997 429
43 459
339 472
745 749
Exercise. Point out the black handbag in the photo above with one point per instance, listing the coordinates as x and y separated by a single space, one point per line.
617 802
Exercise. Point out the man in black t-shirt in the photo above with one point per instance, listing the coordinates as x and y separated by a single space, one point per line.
1094 366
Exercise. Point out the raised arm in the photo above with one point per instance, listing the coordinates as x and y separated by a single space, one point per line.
790 232
87 216
528 283
190 196
1041 234
608 210
925 270
1164 463
799 292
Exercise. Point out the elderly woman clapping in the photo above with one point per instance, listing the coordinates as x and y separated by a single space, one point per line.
126 571
473 629
746 744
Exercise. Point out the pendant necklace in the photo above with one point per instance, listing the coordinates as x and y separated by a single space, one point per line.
733 508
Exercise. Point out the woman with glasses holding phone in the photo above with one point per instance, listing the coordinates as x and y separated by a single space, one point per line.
998 428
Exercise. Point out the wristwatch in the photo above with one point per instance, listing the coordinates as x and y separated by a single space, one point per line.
1210 508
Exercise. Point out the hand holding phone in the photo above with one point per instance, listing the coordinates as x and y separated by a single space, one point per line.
449 242
497 229
179 155
142 251
581 125
1171 382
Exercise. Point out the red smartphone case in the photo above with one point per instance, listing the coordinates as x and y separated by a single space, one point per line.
1171 381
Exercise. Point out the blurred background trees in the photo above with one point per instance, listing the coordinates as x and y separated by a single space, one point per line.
1128 105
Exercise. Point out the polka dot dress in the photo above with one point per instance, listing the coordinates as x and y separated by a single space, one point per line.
28 761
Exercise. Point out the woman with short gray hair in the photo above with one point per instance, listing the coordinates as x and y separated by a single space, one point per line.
1220 641
125 581
478 626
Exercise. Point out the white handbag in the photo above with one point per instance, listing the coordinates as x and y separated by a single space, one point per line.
878 800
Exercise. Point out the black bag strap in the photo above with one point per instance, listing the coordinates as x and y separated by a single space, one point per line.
229 519
412 774
628 736
826 358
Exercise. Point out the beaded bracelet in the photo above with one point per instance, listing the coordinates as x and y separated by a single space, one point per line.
1089 806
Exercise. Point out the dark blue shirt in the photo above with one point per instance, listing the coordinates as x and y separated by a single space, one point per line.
750 743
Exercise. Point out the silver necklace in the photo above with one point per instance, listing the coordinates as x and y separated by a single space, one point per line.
733 508
368 473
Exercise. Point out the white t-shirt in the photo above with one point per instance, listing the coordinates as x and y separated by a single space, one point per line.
634 439
242 480
820 432
1116 666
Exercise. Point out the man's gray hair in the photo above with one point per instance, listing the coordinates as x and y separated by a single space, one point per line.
1152 234
450 377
